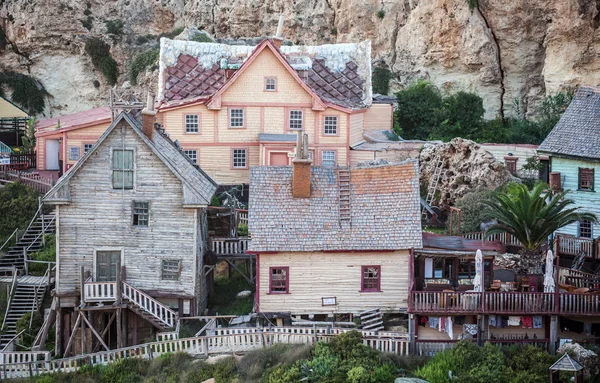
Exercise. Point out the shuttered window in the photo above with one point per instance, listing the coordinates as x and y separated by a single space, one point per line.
586 179
122 169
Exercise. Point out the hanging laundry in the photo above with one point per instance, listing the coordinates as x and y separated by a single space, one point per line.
527 321
449 328
434 322
538 322
470 328
514 320
459 320
423 320
443 324
492 320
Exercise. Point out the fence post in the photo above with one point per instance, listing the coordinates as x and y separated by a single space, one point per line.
25 264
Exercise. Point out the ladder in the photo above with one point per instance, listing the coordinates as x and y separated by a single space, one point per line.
433 184
579 261
371 320
344 184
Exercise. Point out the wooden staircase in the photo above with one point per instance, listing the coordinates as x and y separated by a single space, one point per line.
433 184
371 320
344 185
149 308
31 241
25 298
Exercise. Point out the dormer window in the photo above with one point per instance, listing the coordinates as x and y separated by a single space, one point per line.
295 120
270 84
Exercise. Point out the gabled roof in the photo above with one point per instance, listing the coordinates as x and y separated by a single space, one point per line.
566 363
384 210
339 74
73 121
198 187
8 109
577 133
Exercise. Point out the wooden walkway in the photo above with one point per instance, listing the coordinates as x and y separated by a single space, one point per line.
28 280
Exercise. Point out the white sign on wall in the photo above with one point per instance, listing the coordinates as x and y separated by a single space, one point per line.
329 301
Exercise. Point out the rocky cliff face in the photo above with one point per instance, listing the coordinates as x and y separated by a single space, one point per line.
509 52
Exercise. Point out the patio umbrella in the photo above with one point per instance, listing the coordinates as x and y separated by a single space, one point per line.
549 285
478 283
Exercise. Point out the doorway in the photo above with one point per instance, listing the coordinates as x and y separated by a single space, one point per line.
106 265
279 159
52 154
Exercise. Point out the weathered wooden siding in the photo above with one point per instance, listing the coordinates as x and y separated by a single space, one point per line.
588 201
316 275
99 217
379 117
216 162
520 151
356 128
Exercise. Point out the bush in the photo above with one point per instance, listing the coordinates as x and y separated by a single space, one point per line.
381 80
171 35
99 52
114 27
88 22
472 4
18 204
47 254
26 91
243 230
473 211
141 62
30 332
419 110
202 38
461 116
381 14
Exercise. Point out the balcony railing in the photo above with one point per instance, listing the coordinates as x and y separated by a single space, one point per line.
226 246
100 291
570 245
505 238
504 303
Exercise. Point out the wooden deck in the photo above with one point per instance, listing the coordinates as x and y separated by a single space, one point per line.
570 245
29 280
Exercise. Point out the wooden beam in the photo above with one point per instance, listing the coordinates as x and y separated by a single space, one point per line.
238 270
103 334
119 328
70 342
83 351
95 332
101 308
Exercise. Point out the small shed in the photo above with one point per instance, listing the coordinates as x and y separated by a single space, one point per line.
566 363
13 121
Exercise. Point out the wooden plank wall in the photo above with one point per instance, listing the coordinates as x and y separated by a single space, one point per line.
379 117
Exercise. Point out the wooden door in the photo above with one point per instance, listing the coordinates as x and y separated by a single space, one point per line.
279 159
52 153
106 265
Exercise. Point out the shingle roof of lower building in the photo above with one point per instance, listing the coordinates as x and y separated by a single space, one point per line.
270 137
578 131
384 200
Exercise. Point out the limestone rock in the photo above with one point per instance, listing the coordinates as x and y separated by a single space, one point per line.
587 358
467 168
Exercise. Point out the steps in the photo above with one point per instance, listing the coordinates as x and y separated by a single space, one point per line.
433 184
27 298
344 184
147 316
31 241
371 320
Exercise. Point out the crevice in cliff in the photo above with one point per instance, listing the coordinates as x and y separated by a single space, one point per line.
597 16
333 10
492 35
212 13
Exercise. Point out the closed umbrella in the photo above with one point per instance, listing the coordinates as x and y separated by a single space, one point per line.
549 285
478 283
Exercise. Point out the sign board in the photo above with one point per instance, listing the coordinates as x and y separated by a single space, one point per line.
328 301
4 160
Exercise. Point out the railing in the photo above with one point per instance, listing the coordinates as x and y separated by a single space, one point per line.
14 234
45 226
11 294
150 305
582 304
445 302
577 278
24 357
9 346
27 158
225 246
242 216
518 303
505 238
100 291
570 245
42 185
430 348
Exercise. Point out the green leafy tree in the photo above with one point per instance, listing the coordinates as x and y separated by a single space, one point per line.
26 91
531 217
18 204
419 110
461 115
29 138
381 80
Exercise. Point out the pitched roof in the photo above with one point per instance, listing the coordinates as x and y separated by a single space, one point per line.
578 131
566 363
8 109
73 121
339 74
384 212
198 186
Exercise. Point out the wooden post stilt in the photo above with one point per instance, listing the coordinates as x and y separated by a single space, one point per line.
70 342
411 333
553 333
119 328
82 324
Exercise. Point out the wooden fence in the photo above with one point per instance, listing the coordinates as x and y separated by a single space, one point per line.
226 246
27 158
570 245
505 238
34 180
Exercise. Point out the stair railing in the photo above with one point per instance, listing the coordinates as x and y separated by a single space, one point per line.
35 216
14 234
150 305
40 234
13 288
14 338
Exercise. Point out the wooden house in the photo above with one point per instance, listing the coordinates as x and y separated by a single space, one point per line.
236 106
573 147
62 141
131 236
13 120
333 240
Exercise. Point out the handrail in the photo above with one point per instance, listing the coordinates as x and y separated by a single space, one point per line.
10 296
35 216
43 232
13 234
155 308
12 340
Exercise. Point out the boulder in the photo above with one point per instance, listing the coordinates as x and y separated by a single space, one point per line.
244 294
587 358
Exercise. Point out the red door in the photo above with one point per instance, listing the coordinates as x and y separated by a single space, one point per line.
279 159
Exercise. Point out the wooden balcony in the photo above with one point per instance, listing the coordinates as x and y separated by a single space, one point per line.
504 238
100 291
570 245
430 302
229 246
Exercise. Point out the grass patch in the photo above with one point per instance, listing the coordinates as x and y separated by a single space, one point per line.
99 52
225 301
114 27
140 62
202 38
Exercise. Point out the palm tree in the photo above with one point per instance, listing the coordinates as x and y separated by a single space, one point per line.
531 217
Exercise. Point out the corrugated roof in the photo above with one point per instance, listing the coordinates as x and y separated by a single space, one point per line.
75 120
269 137
384 213
578 131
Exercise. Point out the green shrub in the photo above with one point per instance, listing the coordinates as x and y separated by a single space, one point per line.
473 211
26 91
202 38
334 31
18 204
381 13
114 27
30 332
87 12
472 4
171 35
243 230
141 62
88 22
99 52
47 254
381 80
418 111
461 116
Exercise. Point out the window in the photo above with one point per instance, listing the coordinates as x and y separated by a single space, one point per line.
328 158
586 179
141 213
511 164
192 154
371 278
331 125
466 269
585 229
270 84
170 269
239 159
296 119
438 268
191 123
122 169
73 153
236 118
278 281
87 148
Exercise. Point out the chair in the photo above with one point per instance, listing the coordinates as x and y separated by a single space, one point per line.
525 284
569 288
496 285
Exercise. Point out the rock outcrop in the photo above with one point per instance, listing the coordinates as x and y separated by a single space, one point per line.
587 358
509 52
467 168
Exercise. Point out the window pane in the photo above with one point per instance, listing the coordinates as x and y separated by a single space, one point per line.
192 154
191 123
586 179
331 123
328 160
87 148
296 119
122 159
239 158
170 269
270 84
438 268
585 229
140 213
236 118
278 282
73 153
370 278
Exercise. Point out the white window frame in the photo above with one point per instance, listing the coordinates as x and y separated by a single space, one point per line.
233 158
270 84
328 125
195 155
323 159
74 156
192 127
237 121
295 119
170 270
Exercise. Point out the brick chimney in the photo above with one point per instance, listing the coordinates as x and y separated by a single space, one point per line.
301 168
278 38
148 115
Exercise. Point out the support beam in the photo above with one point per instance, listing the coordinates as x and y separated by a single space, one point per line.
238 270
411 334
103 334
119 328
553 333
95 332
70 342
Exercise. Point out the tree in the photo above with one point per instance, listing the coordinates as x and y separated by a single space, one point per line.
531 217
461 115
29 138
419 110
18 204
